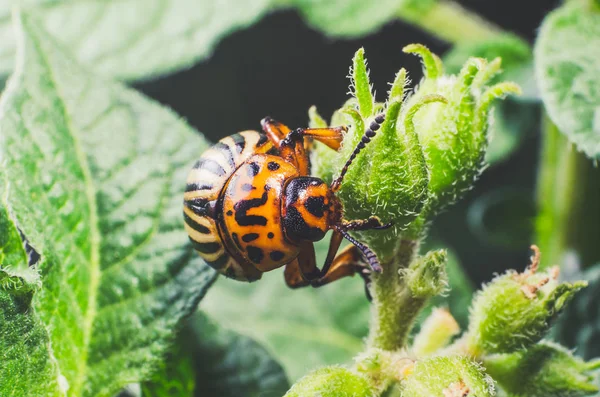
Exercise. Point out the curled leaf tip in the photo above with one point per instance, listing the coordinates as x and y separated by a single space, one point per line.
432 63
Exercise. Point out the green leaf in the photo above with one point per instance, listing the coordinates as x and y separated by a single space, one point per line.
350 18
566 67
213 361
22 335
136 38
92 173
305 328
21 332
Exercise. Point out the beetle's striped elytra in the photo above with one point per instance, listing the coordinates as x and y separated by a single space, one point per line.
250 206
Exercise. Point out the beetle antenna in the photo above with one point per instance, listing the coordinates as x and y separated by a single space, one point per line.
366 138
369 255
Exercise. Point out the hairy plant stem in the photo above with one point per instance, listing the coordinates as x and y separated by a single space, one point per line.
451 22
568 193
394 309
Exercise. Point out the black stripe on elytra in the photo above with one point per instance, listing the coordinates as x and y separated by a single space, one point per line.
226 151
248 237
240 142
276 255
253 168
206 248
198 205
241 211
219 263
211 166
262 140
192 187
195 225
315 206
255 254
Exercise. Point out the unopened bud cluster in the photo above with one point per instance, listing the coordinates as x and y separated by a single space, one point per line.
427 153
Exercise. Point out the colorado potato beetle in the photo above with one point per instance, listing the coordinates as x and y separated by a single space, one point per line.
250 206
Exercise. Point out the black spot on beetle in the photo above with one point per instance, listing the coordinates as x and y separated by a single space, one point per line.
255 254
246 187
230 212
276 255
262 140
273 166
297 228
315 206
270 235
240 142
253 169
249 237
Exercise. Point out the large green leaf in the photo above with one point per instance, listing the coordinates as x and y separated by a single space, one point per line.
92 175
210 361
138 39
21 333
303 328
133 39
567 61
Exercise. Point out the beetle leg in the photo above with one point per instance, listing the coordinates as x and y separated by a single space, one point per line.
275 130
331 136
348 263
293 275
302 271
304 265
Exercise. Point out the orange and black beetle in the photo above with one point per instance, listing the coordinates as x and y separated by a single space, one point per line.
250 206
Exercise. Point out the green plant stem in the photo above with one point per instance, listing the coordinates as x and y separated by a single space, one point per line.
451 22
394 308
568 193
